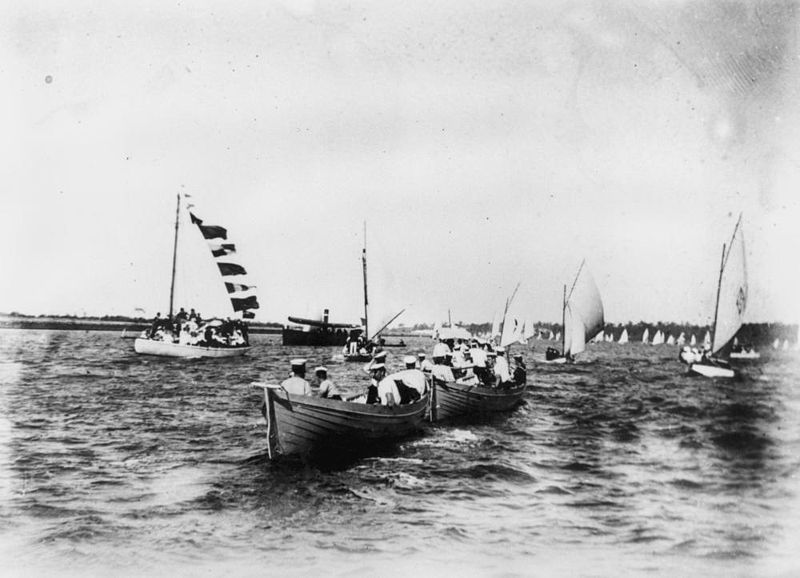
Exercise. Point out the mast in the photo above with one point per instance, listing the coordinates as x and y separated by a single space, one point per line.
563 321
719 287
174 257
364 267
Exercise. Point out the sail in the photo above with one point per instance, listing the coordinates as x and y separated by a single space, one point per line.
658 338
513 323
707 340
529 330
785 344
496 326
776 344
671 340
624 337
681 338
693 341
732 301
646 336
585 312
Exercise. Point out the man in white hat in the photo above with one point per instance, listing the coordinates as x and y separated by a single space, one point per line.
410 377
376 373
378 358
441 349
424 364
501 370
297 383
441 370
326 387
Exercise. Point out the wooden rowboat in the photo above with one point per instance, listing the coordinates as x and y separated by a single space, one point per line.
453 399
312 426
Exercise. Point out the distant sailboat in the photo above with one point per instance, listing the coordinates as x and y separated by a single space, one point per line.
776 344
582 317
671 340
610 337
786 345
189 338
730 308
707 340
693 341
681 339
599 338
658 338
646 336
624 337
529 330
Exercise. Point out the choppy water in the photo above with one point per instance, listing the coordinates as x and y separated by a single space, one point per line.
114 463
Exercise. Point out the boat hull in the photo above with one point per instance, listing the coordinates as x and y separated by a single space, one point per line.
165 349
312 426
708 370
453 400
313 338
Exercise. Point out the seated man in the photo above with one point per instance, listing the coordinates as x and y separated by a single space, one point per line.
296 383
377 372
424 364
326 387
410 382
520 376
377 359
441 370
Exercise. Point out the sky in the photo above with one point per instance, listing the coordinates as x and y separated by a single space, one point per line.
484 144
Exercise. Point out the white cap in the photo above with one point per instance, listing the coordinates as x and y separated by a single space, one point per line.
375 366
409 359
500 349
298 362
379 355
321 368
421 355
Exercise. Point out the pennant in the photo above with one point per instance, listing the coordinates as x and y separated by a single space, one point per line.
209 231
223 249
233 287
246 303
231 269
248 315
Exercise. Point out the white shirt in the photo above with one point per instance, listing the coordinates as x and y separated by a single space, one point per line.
412 378
441 349
296 385
327 389
386 386
478 357
443 373
501 369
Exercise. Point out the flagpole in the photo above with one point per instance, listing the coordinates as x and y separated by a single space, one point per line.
174 256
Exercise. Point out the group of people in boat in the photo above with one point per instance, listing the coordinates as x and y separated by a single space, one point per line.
690 355
471 363
191 329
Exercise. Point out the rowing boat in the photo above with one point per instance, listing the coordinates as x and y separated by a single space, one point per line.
453 399
313 426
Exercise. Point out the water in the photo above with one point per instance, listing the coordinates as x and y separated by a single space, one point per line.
115 463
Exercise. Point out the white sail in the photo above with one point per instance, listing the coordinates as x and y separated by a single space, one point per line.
624 337
693 341
776 344
671 340
558 336
785 344
681 339
610 338
658 338
646 336
732 302
584 312
707 340
529 330
496 325
599 338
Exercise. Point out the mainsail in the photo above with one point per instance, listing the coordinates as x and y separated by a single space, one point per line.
583 312
646 336
732 291
624 337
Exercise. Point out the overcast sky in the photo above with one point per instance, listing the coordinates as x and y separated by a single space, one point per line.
484 143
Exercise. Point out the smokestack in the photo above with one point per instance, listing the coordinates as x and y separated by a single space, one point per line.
325 313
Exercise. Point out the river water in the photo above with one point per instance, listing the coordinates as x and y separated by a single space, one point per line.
111 463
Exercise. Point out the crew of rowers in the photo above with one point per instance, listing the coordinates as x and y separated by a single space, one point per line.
190 329
478 364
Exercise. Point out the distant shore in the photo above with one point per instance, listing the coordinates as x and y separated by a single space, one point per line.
131 326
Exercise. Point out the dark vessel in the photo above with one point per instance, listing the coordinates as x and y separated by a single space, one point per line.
318 333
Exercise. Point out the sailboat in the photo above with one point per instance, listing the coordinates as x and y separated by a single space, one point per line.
741 351
646 336
729 310
658 338
188 337
582 317
355 351
624 337
671 339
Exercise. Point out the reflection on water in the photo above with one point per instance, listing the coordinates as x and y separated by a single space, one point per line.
113 462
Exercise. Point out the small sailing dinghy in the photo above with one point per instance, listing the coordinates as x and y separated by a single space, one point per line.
581 317
176 336
364 346
729 311
624 337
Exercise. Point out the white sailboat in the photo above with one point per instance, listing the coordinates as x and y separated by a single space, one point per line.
582 317
671 340
693 341
176 336
658 338
776 344
646 336
681 339
730 308
707 340
624 337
